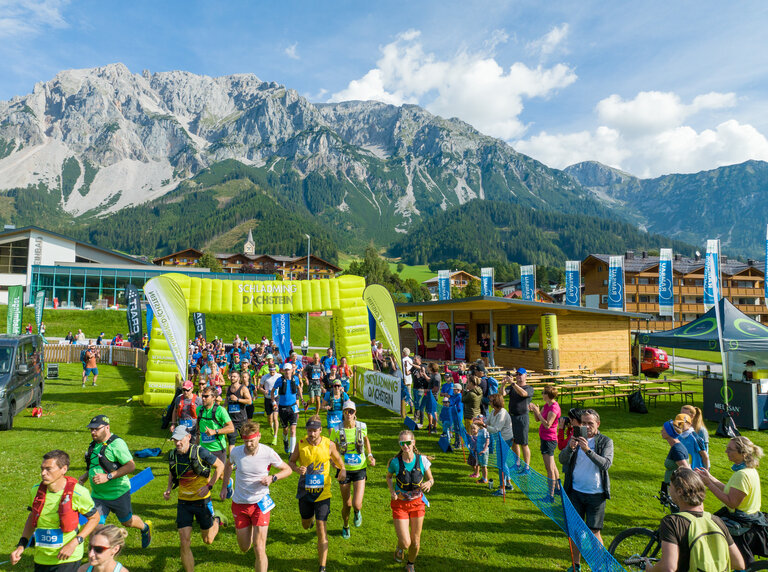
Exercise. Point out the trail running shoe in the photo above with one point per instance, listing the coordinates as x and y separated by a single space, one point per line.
497 493
410 567
146 534
230 489
358 518
345 532
399 554
274 441
223 522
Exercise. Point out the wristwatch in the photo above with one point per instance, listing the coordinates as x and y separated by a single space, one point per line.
109 476
79 539
274 479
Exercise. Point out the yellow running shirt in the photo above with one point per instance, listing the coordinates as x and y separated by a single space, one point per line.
315 485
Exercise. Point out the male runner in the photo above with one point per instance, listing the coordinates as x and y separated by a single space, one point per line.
251 503
213 425
238 397
287 392
266 385
313 376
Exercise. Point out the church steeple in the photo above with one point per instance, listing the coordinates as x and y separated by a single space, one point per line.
250 245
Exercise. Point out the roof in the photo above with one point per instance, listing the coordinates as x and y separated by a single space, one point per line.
487 303
434 278
24 229
681 265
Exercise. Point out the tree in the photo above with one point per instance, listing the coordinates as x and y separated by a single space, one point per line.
208 260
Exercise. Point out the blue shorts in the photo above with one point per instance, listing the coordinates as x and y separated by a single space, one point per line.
482 459
91 370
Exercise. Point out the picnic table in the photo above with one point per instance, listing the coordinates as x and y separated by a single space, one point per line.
652 389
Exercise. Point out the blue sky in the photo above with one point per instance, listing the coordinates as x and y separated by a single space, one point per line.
650 87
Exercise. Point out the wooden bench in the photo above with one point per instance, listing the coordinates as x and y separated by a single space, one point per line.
684 395
583 398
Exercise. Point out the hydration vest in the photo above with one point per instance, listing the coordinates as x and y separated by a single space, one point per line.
409 480
212 418
358 439
284 386
68 516
195 463
104 463
191 408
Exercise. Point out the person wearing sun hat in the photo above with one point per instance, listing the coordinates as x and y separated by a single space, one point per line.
684 427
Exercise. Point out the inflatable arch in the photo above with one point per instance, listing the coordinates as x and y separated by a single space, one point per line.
173 297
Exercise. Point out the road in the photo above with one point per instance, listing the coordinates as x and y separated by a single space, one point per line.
693 366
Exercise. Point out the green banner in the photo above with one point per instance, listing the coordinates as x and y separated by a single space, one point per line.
39 305
13 324
379 302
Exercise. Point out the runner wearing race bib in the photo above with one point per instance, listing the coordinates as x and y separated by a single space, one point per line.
287 392
266 385
214 424
313 376
184 410
312 459
333 402
352 441
238 397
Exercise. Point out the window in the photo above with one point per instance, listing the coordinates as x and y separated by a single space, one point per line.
518 336
604 299
605 282
432 334
13 257
599 268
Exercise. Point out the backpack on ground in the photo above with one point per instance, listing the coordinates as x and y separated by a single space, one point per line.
707 543
636 402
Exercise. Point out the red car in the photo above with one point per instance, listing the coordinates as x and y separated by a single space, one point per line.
654 361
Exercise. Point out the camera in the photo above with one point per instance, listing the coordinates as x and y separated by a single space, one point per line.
580 431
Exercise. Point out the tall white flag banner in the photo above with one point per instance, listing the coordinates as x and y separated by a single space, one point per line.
486 281
170 310
528 282
711 274
573 283
616 283
666 294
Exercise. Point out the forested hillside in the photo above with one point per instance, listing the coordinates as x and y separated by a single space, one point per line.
492 232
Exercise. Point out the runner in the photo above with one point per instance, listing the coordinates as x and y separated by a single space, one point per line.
251 503
405 479
184 410
89 358
333 402
329 360
238 397
108 462
266 385
312 460
55 505
106 543
287 392
213 425
313 375
190 470
351 440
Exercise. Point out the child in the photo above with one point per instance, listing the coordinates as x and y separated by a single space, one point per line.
471 445
482 442
446 419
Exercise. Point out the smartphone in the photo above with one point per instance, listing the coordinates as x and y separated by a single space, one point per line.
580 431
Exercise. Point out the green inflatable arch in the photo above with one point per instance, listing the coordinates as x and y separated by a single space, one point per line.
173 297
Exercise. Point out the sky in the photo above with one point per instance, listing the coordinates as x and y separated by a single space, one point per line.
651 88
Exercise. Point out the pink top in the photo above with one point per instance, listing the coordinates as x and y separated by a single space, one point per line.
551 433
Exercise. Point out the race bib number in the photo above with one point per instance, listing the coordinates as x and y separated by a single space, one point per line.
234 408
188 423
295 408
314 481
266 504
49 537
204 438
352 459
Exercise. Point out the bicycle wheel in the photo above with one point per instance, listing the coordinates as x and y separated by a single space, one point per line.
634 542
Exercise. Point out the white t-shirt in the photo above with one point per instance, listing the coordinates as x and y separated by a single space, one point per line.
586 474
407 365
268 381
250 469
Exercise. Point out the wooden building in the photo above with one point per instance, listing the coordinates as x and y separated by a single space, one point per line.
592 338
459 279
742 284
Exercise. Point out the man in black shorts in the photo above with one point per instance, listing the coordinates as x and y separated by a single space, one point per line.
190 470
520 396
585 463
287 392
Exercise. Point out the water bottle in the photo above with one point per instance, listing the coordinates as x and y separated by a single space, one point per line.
490 484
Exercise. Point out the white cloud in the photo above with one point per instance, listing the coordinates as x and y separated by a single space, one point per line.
291 52
647 136
472 86
547 44
19 18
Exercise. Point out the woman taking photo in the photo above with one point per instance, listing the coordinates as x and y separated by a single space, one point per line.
408 477
106 543
352 441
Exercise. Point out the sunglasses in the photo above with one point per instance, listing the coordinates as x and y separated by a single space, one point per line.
405 443
98 549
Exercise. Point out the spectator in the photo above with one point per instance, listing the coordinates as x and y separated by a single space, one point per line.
682 424
472 446
677 456
499 421
566 425
548 417
430 394
698 428
688 492
407 377
482 444
420 384
304 346
586 461
70 338
520 395
471 401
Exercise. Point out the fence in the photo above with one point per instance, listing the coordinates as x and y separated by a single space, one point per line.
111 355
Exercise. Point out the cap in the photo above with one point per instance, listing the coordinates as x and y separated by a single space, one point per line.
210 358
269 356
749 362
337 382
187 384
98 421
287 365
457 386
681 420
446 400
349 404
522 370
179 433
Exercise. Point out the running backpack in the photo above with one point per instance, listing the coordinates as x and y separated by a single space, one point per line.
343 445
707 543
493 386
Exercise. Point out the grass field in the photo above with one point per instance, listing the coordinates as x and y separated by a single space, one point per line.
465 528
418 273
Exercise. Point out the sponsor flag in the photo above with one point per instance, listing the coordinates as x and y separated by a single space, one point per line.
666 294
443 285
379 388
372 325
572 283
170 310
39 305
765 271
150 314
445 331
460 341
419 334
198 320
711 274
550 344
281 333
528 282
382 308
486 281
133 313
13 320
616 283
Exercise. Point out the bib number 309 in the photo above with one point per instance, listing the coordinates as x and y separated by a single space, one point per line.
49 537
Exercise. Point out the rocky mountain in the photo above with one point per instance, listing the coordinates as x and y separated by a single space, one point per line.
729 203
102 139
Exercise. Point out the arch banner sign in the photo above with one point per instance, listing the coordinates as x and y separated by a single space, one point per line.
173 297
